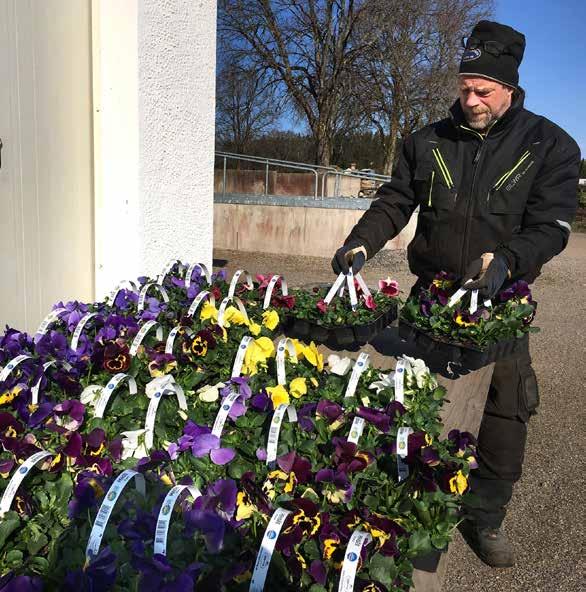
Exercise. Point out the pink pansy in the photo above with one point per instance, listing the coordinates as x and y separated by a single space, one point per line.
389 287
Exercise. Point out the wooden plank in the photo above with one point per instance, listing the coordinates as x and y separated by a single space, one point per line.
467 392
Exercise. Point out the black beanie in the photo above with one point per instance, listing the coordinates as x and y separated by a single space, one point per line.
488 39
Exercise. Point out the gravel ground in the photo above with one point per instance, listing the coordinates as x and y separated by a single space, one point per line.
546 517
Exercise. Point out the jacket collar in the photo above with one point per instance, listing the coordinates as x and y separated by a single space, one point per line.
458 118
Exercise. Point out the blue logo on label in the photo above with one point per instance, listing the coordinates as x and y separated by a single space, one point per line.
360 363
157 395
23 470
110 386
352 557
471 54
272 534
400 370
243 346
226 407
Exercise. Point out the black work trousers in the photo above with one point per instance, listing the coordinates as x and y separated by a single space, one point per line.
512 398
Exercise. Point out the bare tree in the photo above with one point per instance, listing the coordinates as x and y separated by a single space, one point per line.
247 106
407 76
308 46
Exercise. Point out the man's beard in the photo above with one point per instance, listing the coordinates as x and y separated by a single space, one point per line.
480 121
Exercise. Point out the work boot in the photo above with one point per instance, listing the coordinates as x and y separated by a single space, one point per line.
491 545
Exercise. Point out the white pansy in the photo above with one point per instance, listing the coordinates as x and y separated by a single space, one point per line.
133 444
91 394
210 393
417 373
385 381
338 365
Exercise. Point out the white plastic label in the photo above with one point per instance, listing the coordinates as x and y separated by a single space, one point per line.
79 328
473 301
198 300
271 287
356 430
143 294
172 335
402 451
17 478
352 289
359 367
166 270
358 539
267 547
335 287
239 360
284 345
151 415
275 429
457 296
110 499
191 269
399 380
49 320
227 403
164 518
107 391
141 335
36 388
234 282
12 365
224 304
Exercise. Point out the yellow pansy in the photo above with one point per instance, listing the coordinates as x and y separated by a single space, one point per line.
278 394
458 483
243 577
298 387
270 319
245 508
313 356
208 312
232 316
254 328
10 395
299 347
257 353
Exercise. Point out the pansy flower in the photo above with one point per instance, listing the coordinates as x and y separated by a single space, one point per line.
389 287
116 358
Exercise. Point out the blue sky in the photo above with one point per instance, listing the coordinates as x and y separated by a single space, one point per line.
553 71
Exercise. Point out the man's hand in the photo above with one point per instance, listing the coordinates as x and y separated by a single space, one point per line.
488 274
353 253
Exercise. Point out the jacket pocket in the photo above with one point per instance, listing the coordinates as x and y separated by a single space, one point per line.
431 189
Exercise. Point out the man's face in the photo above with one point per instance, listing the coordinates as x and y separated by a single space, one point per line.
483 101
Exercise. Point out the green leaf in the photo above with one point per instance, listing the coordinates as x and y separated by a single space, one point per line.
9 524
36 544
317 588
419 542
382 569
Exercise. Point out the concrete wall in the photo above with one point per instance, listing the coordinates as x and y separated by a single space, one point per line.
290 229
154 99
46 179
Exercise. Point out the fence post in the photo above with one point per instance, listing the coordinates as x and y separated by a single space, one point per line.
224 180
267 178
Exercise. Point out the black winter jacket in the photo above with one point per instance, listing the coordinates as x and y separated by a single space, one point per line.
513 192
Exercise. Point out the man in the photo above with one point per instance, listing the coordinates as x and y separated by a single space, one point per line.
496 187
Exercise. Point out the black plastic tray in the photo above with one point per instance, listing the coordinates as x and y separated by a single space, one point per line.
467 356
338 336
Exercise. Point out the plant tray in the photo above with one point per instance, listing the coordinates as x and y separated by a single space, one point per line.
468 356
339 336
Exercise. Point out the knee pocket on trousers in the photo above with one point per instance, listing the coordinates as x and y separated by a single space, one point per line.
528 393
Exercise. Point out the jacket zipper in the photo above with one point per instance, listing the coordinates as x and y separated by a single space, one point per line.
475 162
441 163
430 189
499 184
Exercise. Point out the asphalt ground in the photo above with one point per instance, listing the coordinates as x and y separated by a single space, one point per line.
546 519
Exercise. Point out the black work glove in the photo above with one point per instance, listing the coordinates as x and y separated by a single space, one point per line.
489 282
344 256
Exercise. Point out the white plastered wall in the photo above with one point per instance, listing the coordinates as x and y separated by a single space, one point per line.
154 105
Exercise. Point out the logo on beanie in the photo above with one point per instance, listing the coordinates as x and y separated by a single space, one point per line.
471 54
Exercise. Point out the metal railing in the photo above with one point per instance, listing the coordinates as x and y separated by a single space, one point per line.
318 171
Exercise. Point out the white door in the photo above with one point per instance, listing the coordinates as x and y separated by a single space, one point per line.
46 185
